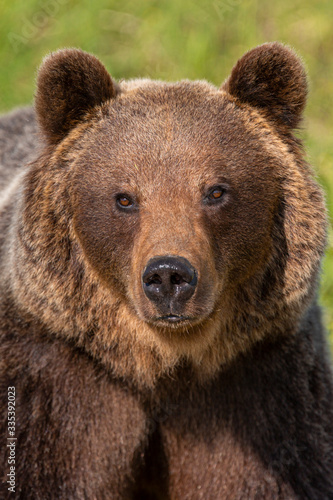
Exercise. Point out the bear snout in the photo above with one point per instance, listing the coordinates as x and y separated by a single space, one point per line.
169 282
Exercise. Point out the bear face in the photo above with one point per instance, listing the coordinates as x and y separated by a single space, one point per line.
179 201
169 222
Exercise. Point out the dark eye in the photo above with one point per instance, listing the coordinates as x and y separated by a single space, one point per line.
215 194
125 202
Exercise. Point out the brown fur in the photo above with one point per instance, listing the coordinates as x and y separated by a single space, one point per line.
242 381
69 84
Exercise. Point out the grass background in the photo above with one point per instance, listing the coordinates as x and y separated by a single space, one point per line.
169 39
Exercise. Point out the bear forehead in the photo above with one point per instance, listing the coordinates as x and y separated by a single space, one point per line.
157 129
159 89
185 103
187 112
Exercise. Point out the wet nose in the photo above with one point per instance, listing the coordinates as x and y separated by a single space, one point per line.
169 281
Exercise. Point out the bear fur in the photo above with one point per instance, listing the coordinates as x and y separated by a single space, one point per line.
160 247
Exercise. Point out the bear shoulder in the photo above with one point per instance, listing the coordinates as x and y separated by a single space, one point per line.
18 142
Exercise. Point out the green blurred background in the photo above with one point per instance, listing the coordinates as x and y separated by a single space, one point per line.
171 40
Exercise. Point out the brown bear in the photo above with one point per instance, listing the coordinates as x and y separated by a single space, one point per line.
160 253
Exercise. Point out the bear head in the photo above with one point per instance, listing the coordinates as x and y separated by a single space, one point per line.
169 223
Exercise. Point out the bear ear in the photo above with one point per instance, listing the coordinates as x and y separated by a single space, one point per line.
272 78
70 82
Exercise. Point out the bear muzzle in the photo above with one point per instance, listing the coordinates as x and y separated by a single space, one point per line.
169 282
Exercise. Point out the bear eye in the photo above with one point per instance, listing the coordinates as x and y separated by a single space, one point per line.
124 201
215 194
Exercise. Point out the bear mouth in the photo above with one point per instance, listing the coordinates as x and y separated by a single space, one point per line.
173 318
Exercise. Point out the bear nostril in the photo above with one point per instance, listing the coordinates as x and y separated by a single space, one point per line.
176 279
154 280
169 282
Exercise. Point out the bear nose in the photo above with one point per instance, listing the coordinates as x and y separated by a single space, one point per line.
169 282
